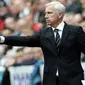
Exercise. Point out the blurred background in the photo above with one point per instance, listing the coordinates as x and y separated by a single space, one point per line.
24 65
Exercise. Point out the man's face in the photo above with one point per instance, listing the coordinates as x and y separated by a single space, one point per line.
51 16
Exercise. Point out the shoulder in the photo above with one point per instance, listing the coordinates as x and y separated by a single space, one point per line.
44 30
73 27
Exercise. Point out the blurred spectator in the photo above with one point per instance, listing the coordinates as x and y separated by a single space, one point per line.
5 59
83 8
7 2
37 10
4 13
37 53
64 2
24 26
10 23
2 3
72 18
19 9
74 7
18 56
25 57
7 32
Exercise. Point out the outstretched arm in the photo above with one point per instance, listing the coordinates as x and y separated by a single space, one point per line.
31 41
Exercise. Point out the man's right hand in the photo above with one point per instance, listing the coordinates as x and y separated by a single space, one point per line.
2 39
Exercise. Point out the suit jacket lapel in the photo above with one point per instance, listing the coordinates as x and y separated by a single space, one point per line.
51 38
64 36
50 35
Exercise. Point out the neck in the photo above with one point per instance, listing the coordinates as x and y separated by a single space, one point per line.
56 24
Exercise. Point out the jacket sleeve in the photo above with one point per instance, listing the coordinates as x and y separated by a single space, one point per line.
30 41
81 39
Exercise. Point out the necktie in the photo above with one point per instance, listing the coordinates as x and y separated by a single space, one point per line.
57 39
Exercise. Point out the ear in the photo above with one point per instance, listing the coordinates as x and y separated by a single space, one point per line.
60 14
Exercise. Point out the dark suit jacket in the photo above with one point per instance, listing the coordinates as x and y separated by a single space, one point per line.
66 58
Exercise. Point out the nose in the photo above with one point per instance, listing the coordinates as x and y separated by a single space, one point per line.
46 16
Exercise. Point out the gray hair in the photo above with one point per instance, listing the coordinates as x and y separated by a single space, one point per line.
58 6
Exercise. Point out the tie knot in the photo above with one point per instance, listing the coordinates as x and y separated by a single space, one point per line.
56 30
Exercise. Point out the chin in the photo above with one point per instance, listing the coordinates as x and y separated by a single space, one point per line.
48 24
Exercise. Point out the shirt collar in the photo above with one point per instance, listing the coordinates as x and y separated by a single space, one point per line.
60 26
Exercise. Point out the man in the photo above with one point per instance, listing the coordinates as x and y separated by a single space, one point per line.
61 51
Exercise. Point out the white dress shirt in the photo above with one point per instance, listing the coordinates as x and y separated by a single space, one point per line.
60 30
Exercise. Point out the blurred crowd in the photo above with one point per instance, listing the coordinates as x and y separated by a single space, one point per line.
24 17
20 18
